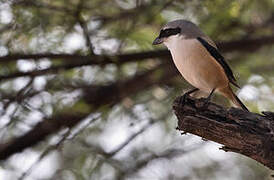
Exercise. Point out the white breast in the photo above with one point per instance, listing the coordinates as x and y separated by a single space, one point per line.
195 64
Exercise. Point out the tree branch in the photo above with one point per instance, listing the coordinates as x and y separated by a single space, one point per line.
246 133
96 96
40 132
76 60
229 46
92 59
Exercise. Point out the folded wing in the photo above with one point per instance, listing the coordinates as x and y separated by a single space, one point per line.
220 59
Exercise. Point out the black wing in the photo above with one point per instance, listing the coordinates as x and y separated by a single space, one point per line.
220 59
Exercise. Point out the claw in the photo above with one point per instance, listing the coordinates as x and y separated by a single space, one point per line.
183 98
207 100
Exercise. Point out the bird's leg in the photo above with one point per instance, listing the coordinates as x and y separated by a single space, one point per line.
208 98
191 91
210 95
183 98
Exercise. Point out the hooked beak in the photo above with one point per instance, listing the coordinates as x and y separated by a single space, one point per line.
157 41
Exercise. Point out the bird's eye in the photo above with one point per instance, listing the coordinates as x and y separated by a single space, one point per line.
166 33
169 32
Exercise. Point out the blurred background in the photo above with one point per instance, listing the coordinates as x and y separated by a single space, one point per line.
84 94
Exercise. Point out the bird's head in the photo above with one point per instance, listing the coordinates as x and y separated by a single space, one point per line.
177 30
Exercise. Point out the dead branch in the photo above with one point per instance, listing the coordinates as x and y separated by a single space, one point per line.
242 132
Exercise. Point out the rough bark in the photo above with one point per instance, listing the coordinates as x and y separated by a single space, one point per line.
242 132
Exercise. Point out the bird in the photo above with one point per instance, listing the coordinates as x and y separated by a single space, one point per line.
198 60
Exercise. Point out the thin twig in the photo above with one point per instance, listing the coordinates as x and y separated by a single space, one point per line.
84 27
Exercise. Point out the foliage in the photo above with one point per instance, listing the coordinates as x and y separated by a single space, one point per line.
87 58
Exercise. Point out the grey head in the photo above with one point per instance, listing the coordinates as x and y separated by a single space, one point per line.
183 28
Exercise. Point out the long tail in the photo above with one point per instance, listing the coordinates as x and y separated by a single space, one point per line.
228 93
238 102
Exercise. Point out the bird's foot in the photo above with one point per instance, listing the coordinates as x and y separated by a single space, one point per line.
207 100
183 98
205 103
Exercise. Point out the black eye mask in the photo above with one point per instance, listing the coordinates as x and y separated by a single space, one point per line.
169 32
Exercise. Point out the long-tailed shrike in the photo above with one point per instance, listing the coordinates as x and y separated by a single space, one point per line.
198 60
